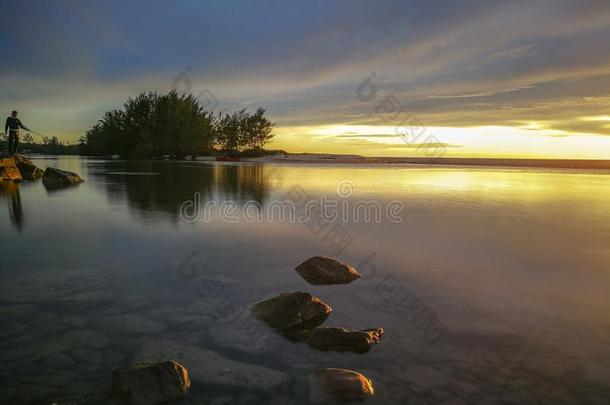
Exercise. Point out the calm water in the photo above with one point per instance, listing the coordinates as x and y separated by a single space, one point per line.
493 287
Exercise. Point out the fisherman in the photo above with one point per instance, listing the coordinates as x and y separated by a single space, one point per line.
12 127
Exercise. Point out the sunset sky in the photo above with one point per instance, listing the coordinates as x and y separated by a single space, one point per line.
378 78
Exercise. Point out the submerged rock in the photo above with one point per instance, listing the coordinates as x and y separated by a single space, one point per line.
210 367
328 385
56 178
129 323
342 339
27 169
76 288
149 384
84 337
292 311
253 338
324 270
425 378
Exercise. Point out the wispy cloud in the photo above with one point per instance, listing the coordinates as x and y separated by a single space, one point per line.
477 63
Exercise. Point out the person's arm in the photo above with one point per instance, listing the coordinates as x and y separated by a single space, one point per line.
6 126
21 125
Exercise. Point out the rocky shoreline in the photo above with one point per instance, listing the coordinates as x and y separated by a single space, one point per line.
17 168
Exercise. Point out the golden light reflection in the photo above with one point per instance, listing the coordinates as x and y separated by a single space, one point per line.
597 118
407 181
532 140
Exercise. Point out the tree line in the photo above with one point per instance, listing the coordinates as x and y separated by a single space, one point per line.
155 125
48 145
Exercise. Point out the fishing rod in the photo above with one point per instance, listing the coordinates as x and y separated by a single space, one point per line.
29 131
37 133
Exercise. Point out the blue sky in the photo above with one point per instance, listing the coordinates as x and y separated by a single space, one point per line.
515 78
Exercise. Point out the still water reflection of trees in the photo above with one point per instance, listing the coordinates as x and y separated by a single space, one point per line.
151 188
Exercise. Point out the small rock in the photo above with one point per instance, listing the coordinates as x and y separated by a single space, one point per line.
323 270
291 311
327 385
56 178
150 384
342 339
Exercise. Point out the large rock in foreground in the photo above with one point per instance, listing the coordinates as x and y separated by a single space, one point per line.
328 385
342 339
150 384
292 311
324 270
57 178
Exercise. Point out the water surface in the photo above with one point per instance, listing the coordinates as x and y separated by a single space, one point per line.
493 288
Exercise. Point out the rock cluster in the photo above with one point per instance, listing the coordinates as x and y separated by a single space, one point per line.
298 315
18 168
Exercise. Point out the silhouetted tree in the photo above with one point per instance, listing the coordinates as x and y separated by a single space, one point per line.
153 124
257 129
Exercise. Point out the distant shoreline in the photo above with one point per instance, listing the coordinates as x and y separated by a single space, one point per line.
313 158
492 162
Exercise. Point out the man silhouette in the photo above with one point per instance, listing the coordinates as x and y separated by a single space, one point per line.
12 127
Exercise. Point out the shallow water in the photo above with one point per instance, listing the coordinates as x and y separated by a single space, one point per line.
491 284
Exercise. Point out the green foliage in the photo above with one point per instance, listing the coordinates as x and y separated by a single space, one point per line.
257 129
154 125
